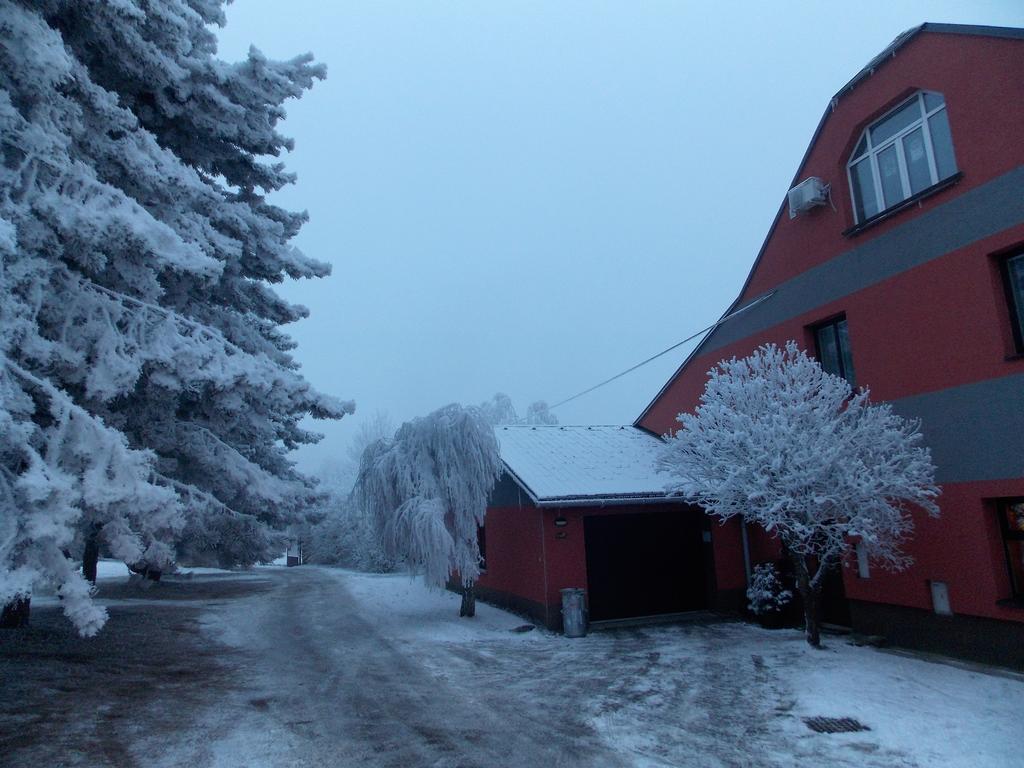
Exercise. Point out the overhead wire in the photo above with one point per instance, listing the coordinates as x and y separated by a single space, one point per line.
663 352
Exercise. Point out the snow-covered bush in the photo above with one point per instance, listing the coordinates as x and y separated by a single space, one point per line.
426 491
346 537
779 442
147 390
765 593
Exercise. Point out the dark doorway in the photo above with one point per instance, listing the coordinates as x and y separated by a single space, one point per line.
645 564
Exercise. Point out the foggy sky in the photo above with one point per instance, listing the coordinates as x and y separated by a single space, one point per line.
531 197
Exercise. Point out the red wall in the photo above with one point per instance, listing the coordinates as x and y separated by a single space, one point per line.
567 556
941 324
980 77
521 541
962 548
515 555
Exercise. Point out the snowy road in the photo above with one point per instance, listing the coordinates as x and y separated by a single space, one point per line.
330 686
347 669
319 667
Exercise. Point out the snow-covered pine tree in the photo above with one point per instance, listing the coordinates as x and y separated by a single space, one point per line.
146 389
780 443
427 491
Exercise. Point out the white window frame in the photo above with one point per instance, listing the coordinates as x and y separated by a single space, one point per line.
872 152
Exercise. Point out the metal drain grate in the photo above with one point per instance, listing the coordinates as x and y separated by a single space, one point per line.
835 725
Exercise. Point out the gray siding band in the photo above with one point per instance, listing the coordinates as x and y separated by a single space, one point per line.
975 431
967 218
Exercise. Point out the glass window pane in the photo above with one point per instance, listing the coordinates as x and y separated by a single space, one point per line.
1015 272
1015 557
942 143
1015 517
843 335
895 122
862 147
889 170
828 355
933 101
1012 513
917 161
863 181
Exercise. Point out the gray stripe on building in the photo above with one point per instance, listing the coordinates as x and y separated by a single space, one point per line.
969 217
975 431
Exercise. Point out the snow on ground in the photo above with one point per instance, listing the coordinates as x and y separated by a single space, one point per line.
107 572
320 662
941 714
404 609
312 663
203 571
661 692
111 569
114 582
115 570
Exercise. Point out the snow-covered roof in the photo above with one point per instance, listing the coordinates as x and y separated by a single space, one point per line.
565 466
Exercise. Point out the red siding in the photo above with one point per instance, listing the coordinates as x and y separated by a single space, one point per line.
939 325
515 557
566 557
983 82
727 544
963 548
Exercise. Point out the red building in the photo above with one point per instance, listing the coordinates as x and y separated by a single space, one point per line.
899 262
584 507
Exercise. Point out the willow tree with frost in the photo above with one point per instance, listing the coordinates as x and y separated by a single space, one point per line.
427 490
780 443
148 396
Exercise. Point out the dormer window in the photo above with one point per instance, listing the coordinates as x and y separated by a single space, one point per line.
901 155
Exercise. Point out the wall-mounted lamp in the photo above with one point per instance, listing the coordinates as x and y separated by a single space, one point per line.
561 522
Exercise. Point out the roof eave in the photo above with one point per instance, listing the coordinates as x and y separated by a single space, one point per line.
560 502
521 483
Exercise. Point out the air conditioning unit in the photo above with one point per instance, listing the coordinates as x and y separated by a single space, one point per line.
808 194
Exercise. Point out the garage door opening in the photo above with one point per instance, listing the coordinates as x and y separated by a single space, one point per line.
645 564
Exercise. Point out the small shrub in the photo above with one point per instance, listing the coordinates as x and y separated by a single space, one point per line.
765 593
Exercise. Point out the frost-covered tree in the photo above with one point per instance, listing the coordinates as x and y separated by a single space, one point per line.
345 535
427 491
148 397
378 426
500 410
782 444
539 413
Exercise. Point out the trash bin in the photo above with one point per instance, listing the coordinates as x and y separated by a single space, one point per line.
574 613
